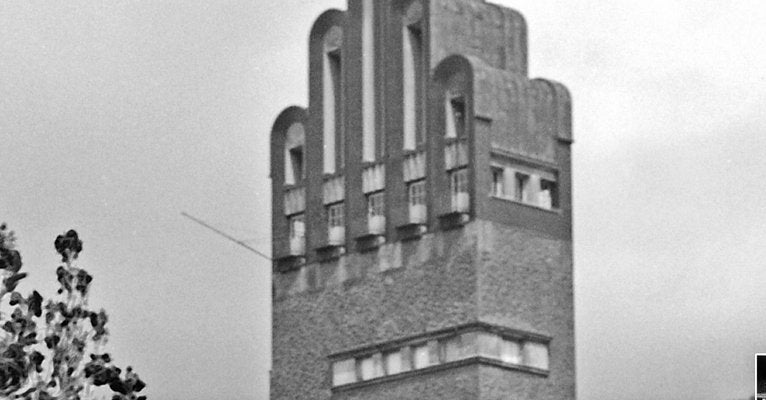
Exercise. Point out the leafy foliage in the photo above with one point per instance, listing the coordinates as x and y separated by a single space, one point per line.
53 350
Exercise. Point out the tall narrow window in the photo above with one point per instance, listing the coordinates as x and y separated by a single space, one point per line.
548 196
394 363
336 224
521 190
376 213
498 182
417 201
510 351
421 357
344 372
297 235
461 199
412 61
536 355
368 81
294 166
455 117
332 117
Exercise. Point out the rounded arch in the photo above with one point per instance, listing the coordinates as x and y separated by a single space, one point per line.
326 87
283 127
288 116
413 11
324 23
455 73
452 95
562 106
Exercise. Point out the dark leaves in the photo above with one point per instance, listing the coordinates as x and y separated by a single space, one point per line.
16 298
35 303
10 260
29 339
36 359
98 322
9 327
13 280
65 278
68 245
65 338
52 341
83 281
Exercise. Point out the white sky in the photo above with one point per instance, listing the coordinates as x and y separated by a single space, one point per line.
116 116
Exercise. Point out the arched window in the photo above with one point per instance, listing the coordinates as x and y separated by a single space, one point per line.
295 173
454 111
332 101
454 78
412 65
295 166
369 137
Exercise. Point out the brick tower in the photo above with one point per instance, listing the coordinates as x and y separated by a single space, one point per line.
422 213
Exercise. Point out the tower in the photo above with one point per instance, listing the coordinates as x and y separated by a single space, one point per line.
422 234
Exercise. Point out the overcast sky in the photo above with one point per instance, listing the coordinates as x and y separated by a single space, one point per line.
116 116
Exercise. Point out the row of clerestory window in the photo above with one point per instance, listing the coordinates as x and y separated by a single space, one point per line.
523 184
509 181
523 354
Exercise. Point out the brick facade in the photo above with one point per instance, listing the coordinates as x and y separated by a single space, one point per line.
495 258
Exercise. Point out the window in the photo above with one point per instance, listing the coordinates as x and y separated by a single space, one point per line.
295 169
467 344
343 372
297 227
376 213
335 215
536 355
548 196
393 363
369 137
370 368
524 183
455 348
489 345
510 352
455 117
412 61
521 187
461 200
498 182
332 101
297 234
417 201
296 160
336 224
421 356
376 204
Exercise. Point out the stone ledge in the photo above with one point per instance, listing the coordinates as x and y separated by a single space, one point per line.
289 263
411 231
478 360
330 252
453 220
369 242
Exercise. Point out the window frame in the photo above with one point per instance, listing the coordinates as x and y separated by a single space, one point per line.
336 214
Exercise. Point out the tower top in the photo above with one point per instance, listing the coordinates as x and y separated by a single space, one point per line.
422 211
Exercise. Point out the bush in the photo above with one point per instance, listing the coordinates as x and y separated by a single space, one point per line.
53 349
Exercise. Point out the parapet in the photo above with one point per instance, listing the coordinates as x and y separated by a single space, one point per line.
421 119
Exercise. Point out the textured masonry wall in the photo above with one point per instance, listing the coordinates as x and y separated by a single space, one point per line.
525 282
327 308
482 272
452 384
487 31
